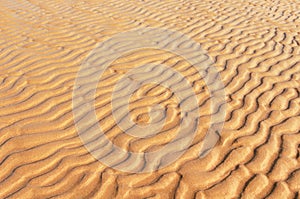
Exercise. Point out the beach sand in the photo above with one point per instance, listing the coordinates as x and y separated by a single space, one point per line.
255 47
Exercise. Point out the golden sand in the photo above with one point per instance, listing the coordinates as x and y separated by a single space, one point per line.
255 45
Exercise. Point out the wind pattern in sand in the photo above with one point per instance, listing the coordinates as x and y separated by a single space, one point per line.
255 46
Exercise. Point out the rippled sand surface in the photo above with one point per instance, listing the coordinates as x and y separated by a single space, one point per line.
255 45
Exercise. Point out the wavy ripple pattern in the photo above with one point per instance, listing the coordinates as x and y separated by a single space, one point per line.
256 48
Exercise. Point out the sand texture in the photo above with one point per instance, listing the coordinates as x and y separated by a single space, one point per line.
255 47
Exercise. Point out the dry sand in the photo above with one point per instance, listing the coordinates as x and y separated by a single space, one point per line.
255 45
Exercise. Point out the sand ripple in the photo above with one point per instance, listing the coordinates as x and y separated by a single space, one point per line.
255 46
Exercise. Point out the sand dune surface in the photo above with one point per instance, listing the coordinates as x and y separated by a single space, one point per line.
254 45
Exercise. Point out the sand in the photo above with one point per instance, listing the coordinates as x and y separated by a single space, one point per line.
255 47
